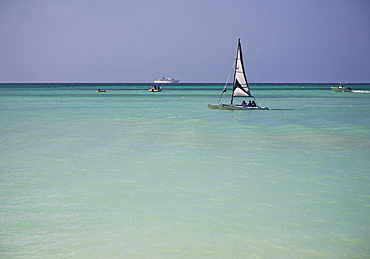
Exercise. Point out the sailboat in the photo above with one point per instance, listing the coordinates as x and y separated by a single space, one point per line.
241 90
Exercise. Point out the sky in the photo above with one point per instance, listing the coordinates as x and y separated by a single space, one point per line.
194 41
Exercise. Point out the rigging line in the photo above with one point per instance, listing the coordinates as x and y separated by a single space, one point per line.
224 90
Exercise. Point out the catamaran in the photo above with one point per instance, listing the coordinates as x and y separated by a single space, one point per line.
240 90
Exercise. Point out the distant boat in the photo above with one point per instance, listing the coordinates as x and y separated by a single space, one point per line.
341 88
167 80
155 88
100 91
240 89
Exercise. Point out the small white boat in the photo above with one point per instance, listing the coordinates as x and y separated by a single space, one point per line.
155 88
240 89
167 80
341 88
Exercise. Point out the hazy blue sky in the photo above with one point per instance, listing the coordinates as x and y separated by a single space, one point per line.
190 40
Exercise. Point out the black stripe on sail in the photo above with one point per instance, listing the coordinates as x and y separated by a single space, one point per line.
238 85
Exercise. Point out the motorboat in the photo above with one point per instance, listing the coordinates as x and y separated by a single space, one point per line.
341 88
155 88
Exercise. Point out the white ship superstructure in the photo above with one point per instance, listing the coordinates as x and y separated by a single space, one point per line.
167 80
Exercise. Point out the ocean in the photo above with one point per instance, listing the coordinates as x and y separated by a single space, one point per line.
133 174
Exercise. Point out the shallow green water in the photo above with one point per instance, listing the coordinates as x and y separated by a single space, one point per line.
133 174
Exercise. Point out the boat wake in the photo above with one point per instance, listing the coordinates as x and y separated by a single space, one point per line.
360 91
280 109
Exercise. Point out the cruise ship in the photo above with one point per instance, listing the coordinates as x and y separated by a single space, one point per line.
167 80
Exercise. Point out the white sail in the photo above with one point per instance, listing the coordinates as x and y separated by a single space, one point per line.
241 87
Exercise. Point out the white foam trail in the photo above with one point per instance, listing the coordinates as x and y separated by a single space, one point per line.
360 91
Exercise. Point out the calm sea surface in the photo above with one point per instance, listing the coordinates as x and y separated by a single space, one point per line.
133 174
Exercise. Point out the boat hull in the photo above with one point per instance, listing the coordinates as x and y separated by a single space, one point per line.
154 90
166 82
213 106
222 106
339 89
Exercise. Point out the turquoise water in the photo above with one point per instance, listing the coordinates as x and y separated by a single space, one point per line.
133 174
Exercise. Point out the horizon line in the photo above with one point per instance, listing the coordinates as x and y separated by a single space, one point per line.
4 83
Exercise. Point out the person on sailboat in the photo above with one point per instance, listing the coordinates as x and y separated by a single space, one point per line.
249 104
244 104
254 104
